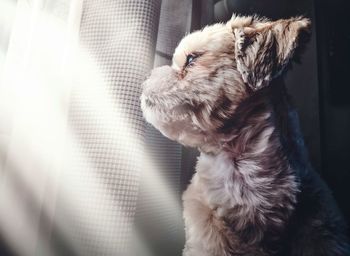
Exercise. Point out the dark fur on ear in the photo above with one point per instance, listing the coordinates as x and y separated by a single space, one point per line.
263 48
302 43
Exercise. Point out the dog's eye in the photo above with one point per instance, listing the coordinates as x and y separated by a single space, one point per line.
190 58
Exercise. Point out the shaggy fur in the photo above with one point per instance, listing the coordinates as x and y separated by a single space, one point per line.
254 192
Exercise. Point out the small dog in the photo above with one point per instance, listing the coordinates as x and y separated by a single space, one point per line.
254 192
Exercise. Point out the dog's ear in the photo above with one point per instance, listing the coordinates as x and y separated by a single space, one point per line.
263 48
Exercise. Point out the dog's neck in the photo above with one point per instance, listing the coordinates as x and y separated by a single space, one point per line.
265 110
251 182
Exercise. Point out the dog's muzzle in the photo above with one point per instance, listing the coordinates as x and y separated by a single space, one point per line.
161 79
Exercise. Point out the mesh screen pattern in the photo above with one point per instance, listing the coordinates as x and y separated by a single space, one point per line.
100 182
159 211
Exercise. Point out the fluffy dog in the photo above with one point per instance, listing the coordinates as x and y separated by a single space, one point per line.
254 192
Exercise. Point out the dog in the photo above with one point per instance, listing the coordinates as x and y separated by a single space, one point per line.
254 192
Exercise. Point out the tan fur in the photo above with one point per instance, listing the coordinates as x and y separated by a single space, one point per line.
192 104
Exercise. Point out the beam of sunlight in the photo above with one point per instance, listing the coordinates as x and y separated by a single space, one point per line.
35 93
7 14
32 92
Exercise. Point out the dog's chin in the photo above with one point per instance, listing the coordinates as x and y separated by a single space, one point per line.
172 128
180 129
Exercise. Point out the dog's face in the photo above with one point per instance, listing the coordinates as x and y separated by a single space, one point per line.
213 70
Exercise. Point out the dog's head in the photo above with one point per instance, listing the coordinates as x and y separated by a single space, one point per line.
213 71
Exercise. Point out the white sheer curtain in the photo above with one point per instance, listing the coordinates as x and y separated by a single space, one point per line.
35 75
71 130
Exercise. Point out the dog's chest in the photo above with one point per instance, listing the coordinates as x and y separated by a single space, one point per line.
215 190
213 180
222 185
226 198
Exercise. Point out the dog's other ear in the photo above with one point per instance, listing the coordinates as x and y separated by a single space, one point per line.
263 48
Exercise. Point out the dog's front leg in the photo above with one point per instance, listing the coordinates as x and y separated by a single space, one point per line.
205 231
